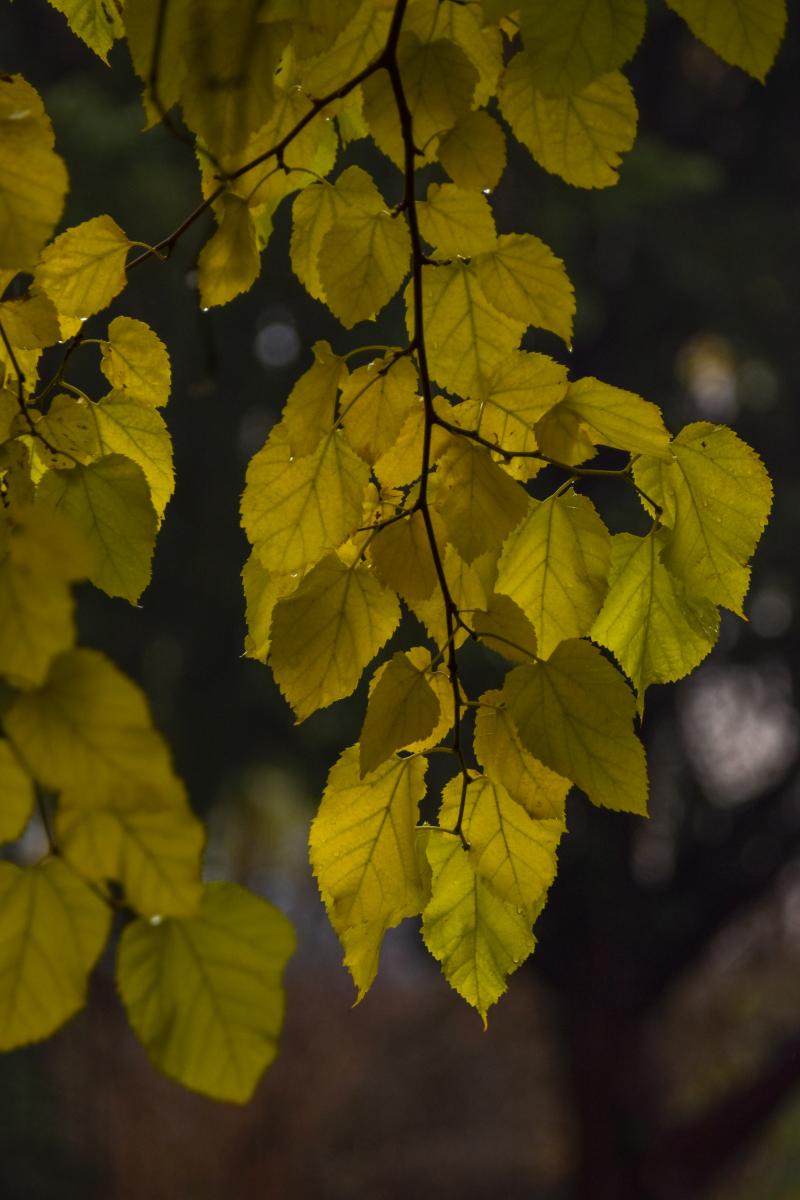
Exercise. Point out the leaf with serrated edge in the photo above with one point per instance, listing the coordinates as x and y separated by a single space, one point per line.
715 499
96 22
523 279
746 33
504 628
474 151
575 714
655 630
478 939
311 405
296 509
505 760
402 558
109 502
52 930
523 388
402 709
570 43
203 994
84 268
16 788
610 416
137 431
555 567
375 402
230 261
135 361
325 633
262 591
477 501
456 222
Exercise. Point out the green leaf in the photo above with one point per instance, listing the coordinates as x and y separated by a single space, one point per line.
135 361
746 33
203 993
555 567
325 633
362 842
514 854
52 930
477 501
33 178
506 762
40 555
522 278
715 498
96 22
581 137
230 261
575 714
478 939
573 42
127 427
364 256
456 222
466 336
296 509
87 728
474 151
84 268
607 416
656 632
16 789
147 841
109 502
402 709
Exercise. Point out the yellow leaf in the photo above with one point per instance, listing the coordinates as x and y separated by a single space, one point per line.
84 268
70 430
30 323
656 632
230 261
364 256
313 214
262 591
466 336
361 40
555 567
402 558
478 939
575 714
603 415
402 709
143 20
477 501
746 33
135 361
463 25
148 842
96 22
473 152
109 503
87 728
523 387
504 628
295 509
42 553
581 137
203 993
362 842
401 464
52 930
442 688
511 852
362 949
325 633
456 222
716 497
137 431
523 279
16 789
506 762
573 42
375 402
33 178
469 584
310 409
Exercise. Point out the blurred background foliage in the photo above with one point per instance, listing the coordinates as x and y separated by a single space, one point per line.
651 1049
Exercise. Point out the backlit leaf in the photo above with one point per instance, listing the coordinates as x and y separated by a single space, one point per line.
402 558
33 178
505 760
375 401
126 427
575 714
52 930
17 795
96 22
656 632
473 152
311 405
230 261
402 709
84 268
607 416
522 388
456 222
477 501
746 33
325 633
262 591
504 628
523 279
109 502
555 567
135 361
573 42
203 993
30 322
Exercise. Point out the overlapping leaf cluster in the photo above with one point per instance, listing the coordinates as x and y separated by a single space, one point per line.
398 478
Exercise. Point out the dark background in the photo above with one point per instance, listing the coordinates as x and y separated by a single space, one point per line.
651 1048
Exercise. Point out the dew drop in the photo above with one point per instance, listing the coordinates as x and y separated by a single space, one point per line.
156 920
205 309
293 574
291 458
82 319
488 192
